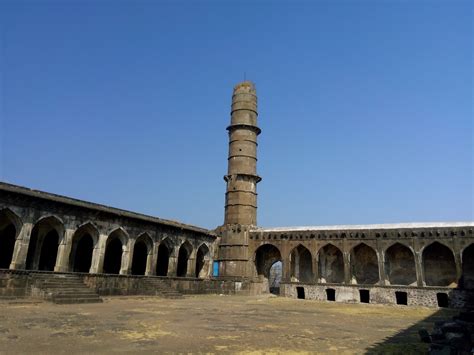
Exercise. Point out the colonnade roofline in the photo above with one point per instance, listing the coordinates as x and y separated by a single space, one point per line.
6 187
367 226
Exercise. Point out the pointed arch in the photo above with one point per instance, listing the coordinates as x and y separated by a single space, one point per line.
265 256
8 216
142 252
439 265
301 264
45 238
269 265
164 251
364 264
84 241
202 261
10 225
147 239
185 251
114 248
400 265
331 264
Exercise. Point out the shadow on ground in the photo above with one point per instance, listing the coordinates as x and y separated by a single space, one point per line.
408 341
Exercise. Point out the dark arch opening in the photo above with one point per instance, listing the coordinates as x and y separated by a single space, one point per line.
49 251
163 260
84 248
183 257
468 267
140 256
400 265
113 256
201 255
331 264
364 264
7 243
267 261
439 265
301 264
43 244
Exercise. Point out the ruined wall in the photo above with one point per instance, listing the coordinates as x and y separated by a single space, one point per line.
414 296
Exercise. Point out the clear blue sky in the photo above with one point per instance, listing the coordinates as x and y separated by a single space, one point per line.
366 107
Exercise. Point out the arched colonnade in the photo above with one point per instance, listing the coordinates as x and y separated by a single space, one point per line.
47 245
435 264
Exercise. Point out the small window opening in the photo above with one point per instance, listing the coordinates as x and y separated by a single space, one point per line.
330 294
300 292
364 296
401 297
443 300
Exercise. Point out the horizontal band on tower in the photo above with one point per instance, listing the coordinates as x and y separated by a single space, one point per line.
240 204
252 176
242 155
243 140
243 109
241 191
243 125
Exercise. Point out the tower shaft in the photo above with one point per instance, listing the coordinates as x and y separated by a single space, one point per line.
242 178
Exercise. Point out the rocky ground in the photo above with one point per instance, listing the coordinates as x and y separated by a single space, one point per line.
214 324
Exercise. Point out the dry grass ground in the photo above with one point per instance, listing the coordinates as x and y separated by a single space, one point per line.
212 324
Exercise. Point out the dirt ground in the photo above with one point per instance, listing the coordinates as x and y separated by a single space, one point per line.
212 324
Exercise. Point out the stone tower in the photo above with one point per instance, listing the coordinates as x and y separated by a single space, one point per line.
241 179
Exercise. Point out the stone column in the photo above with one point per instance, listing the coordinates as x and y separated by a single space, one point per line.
39 245
457 260
172 263
97 265
315 262
127 256
381 262
286 269
420 275
21 247
191 272
152 261
64 251
347 268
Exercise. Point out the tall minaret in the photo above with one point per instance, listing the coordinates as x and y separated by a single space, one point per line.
241 179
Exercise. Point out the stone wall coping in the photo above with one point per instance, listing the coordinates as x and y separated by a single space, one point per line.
367 226
98 207
330 285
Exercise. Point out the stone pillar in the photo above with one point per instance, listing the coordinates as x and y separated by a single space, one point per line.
286 269
152 260
191 272
127 256
420 275
381 262
37 252
296 266
97 265
173 263
64 251
347 268
20 251
315 262
457 260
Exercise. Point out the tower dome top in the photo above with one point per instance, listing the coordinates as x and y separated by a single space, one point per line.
245 86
